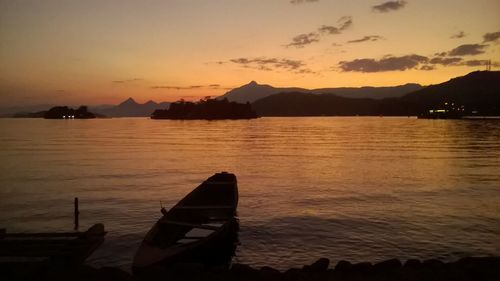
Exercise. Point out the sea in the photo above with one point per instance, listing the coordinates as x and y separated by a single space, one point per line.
344 188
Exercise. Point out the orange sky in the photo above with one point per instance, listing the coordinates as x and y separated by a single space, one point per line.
95 52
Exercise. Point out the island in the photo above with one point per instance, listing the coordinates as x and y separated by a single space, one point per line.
206 109
64 112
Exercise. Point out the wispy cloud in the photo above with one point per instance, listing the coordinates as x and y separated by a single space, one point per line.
445 61
272 64
468 50
389 6
305 39
302 40
491 37
367 38
480 63
127 80
460 34
179 88
302 1
427 67
387 63
342 24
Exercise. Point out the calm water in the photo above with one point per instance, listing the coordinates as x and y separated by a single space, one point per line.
361 189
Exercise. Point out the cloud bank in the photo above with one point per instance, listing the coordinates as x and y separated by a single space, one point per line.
387 63
468 50
491 37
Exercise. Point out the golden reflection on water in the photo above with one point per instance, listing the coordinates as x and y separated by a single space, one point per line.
343 188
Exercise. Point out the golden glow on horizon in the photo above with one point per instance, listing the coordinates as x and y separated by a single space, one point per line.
96 52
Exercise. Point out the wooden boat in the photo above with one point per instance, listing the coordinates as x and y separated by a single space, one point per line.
202 227
69 248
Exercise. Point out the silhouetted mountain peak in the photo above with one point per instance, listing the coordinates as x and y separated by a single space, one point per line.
150 102
252 83
129 101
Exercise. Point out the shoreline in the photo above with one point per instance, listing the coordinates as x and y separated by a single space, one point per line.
468 268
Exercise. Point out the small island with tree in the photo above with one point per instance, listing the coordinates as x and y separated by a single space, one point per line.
64 112
206 109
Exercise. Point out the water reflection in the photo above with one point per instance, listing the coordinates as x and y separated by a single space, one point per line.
372 188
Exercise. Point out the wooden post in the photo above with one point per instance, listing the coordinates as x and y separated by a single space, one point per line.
77 213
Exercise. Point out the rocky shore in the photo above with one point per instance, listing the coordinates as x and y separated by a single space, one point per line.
470 268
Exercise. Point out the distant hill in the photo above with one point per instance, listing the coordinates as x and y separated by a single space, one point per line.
130 108
477 91
253 91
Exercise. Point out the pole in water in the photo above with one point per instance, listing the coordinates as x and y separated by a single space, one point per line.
77 213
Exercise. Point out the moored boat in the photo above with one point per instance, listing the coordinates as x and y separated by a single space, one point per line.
63 248
202 227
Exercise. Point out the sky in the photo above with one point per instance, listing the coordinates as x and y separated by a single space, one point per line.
102 52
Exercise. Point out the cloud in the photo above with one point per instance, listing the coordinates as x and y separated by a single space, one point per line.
389 6
427 67
270 64
445 61
343 24
302 1
302 40
305 39
458 35
168 87
127 80
468 50
387 63
480 63
367 38
491 37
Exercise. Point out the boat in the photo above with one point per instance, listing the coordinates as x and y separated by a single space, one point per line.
62 248
201 228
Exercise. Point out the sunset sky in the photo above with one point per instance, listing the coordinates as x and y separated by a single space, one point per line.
96 52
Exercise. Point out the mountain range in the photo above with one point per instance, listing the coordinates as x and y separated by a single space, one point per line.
478 92
253 91
129 108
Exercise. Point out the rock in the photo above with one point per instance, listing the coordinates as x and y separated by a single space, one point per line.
267 273
293 274
478 268
362 267
412 263
320 265
387 266
343 266
433 264
113 273
185 267
243 272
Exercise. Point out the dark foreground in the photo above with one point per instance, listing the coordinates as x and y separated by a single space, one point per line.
476 269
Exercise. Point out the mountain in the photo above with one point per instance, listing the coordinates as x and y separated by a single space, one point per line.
130 108
477 91
253 91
